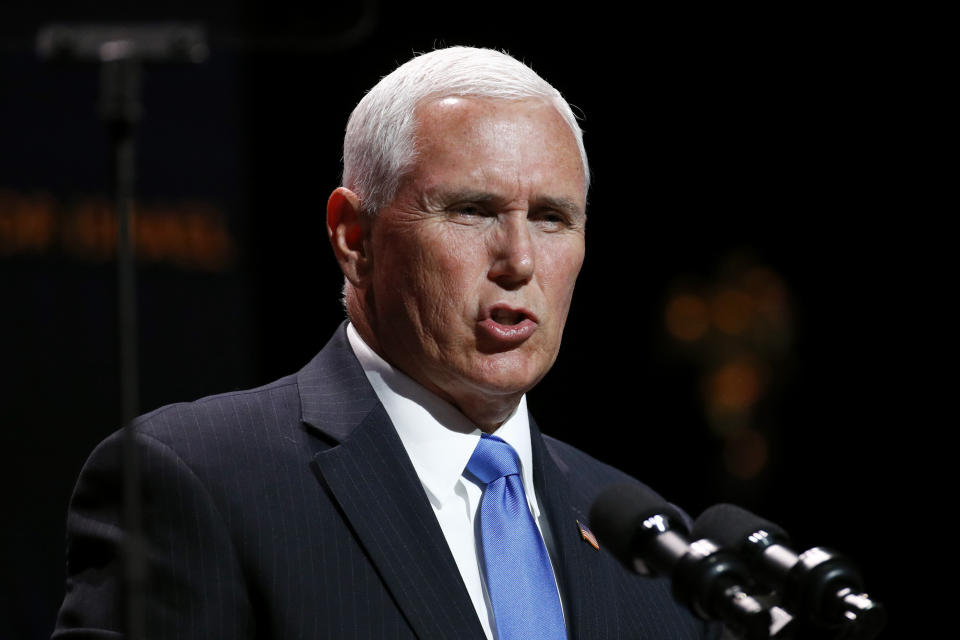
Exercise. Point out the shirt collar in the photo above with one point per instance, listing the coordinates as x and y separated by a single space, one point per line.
438 438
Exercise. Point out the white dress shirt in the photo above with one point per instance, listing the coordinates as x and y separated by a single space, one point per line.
440 440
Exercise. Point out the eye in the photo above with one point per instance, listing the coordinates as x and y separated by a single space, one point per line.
550 218
468 210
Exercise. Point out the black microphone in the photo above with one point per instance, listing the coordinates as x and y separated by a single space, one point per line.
649 536
819 587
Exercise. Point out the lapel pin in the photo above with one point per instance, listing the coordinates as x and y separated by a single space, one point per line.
587 535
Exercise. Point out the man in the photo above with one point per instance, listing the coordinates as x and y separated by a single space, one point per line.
354 499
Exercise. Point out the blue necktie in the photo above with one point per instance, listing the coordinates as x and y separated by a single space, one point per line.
520 579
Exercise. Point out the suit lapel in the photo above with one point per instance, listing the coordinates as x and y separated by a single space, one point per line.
373 481
588 592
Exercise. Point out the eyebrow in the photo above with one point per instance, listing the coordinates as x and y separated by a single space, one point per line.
567 205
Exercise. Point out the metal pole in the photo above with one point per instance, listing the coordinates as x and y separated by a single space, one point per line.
120 109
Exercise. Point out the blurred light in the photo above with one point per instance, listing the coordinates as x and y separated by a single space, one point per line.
735 386
687 317
731 311
91 232
191 234
737 329
746 454
27 223
766 290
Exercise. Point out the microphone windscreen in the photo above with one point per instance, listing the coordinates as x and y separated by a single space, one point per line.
618 513
730 525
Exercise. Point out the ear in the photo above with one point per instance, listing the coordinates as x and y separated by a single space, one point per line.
347 229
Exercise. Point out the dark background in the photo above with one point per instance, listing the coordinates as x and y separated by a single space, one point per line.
719 141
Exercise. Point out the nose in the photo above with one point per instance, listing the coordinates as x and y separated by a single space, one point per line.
513 252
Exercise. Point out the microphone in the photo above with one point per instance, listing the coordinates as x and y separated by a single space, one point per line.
819 587
649 536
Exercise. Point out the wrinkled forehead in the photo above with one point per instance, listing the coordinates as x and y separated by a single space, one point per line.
468 108
452 122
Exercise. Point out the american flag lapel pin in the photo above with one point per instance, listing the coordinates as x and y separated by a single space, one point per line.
587 535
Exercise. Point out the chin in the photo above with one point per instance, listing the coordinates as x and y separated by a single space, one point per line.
505 376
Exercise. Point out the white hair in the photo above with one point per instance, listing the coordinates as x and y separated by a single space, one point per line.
380 143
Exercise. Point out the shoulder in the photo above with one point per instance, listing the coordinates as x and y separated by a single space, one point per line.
583 479
276 404
590 474
207 438
275 410
589 477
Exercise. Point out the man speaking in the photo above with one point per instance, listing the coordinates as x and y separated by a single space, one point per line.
396 486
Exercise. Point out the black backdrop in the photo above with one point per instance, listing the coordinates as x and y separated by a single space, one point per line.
777 139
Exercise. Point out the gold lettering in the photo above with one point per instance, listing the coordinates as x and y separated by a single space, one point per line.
26 223
189 234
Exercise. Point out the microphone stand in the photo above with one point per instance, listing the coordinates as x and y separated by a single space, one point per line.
121 50
120 109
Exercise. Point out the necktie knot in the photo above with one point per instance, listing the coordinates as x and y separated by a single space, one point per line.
492 459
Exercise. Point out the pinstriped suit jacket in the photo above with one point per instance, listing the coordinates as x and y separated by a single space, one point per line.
292 511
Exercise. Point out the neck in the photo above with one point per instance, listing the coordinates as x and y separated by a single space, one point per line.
487 412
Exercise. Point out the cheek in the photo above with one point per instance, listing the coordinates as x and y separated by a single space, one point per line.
560 272
444 281
458 259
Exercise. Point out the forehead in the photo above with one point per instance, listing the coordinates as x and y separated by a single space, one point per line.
520 139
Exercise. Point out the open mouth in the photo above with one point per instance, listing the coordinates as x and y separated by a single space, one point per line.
504 328
507 317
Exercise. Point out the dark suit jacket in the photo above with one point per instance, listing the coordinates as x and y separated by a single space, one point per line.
292 511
